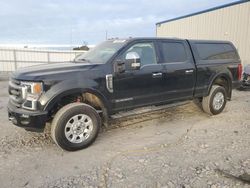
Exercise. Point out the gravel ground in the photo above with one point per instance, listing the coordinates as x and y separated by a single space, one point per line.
176 147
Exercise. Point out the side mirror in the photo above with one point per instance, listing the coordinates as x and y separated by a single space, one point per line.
133 60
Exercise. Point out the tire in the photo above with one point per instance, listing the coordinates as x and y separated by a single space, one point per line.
209 103
75 126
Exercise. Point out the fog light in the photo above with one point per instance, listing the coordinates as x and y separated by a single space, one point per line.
25 122
25 119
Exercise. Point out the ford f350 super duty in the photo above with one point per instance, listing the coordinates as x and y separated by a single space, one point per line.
78 97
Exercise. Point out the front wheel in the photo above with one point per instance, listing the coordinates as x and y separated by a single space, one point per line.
215 102
75 126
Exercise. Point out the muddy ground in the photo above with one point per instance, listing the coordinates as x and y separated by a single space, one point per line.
176 147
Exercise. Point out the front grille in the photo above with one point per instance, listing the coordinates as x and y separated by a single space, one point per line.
15 92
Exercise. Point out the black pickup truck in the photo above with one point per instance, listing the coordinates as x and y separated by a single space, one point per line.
78 97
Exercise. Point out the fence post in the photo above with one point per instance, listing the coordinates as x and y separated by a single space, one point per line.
48 57
15 60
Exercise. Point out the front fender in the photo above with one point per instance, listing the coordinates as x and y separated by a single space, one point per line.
68 87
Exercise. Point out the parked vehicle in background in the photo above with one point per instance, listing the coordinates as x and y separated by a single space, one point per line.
117 75
245 83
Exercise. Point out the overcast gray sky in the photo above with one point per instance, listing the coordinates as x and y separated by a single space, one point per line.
75 21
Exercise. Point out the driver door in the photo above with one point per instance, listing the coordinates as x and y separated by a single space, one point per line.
138 85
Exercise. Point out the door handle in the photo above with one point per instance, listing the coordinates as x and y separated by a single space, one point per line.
157 75
189 71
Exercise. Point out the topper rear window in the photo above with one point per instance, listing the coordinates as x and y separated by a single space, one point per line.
216 51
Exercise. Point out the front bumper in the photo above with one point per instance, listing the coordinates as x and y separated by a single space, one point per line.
29 120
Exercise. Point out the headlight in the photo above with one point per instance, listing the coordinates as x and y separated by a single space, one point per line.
33 87
31 91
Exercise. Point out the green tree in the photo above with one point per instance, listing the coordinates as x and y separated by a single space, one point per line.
84 47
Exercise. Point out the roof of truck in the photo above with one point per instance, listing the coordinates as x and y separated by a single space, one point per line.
168 38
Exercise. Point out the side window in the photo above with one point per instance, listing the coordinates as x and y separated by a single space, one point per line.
212 51
173 52
146 52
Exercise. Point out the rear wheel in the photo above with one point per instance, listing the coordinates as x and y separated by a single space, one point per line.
75 126
216 101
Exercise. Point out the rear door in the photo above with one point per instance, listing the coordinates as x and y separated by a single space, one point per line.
179 69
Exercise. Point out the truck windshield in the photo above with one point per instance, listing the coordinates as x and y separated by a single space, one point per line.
102 52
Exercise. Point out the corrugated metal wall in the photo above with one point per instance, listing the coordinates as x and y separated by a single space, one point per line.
229 23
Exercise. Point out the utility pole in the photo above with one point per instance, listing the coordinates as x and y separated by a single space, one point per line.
106 32
71 35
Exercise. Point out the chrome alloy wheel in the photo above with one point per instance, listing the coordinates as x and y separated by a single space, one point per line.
218 101
78 128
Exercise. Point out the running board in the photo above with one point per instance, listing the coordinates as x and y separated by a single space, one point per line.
147 109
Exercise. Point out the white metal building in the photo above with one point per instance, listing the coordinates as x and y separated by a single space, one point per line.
228 22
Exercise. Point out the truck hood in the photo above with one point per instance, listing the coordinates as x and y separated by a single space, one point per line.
55 71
